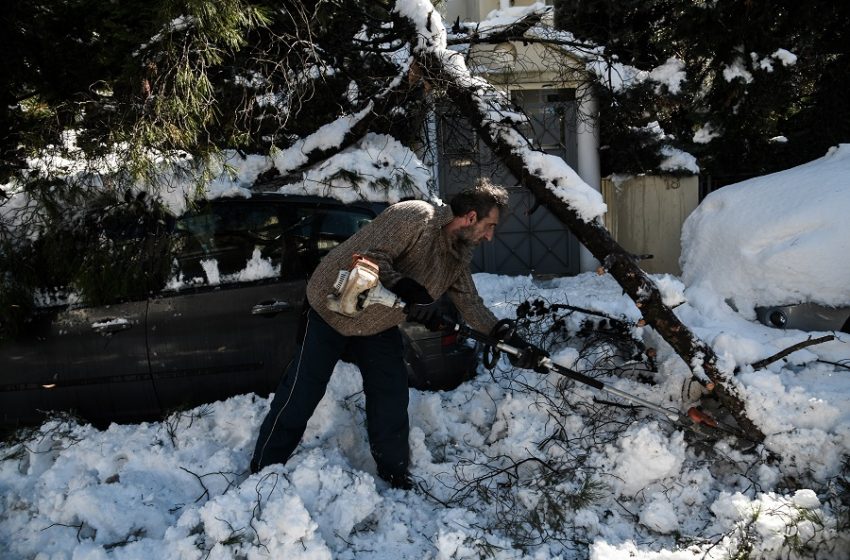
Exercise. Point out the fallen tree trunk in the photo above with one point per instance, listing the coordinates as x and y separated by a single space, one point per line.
483 107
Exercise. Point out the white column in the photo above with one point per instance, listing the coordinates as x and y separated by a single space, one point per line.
588 156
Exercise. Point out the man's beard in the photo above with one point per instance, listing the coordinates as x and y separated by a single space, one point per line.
463 239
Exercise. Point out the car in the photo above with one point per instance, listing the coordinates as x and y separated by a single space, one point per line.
805 317
222 320
774 247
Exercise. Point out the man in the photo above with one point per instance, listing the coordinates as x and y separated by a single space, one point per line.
422 251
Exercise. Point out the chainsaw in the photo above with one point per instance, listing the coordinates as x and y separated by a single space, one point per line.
359 287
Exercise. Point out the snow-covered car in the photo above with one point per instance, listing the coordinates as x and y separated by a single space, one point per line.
224 321
776 247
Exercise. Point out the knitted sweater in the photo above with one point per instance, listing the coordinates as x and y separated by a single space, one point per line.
406 239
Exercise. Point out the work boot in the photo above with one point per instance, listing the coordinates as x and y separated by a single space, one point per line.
401 481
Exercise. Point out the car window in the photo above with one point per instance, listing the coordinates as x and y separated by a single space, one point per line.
335 226
114 251
322 228
240 241
223 243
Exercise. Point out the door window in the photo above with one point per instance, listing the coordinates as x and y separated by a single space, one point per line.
237 242
224 243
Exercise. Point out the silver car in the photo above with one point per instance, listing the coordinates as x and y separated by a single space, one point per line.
805 317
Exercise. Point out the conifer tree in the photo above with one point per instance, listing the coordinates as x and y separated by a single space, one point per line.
764 85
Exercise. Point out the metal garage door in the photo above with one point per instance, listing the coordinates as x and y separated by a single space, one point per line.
538 243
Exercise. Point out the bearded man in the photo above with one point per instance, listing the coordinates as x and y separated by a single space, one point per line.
422 251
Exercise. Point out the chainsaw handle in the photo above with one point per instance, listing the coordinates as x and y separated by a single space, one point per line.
492 352
499 345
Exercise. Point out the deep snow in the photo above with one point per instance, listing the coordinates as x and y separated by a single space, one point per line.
178 488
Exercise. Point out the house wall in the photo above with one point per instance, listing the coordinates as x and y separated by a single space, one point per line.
645 216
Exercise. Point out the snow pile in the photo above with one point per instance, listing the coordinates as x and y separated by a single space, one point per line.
376 168
638 488
774 240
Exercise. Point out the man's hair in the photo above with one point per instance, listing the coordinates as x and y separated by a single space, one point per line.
482 197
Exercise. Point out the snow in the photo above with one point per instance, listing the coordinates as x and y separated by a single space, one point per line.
673 159
678 160
636 486
774 240
327 137
737 70
671 74
500 19
387 171
786 57
256 268
705 134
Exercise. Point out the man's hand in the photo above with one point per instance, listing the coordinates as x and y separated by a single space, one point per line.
428 314
529 356
411 292
421 307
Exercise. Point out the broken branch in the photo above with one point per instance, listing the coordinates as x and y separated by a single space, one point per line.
790 350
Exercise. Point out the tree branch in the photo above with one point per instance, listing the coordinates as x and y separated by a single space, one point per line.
791 349
359 124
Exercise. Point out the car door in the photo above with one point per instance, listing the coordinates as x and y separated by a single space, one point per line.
91 361
228 324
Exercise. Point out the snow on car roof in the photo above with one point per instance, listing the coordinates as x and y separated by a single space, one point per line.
778 239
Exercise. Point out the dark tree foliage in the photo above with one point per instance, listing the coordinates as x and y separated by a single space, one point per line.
804 102
63 65
136 80
185 74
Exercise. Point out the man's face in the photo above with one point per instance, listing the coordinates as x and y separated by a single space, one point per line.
479 229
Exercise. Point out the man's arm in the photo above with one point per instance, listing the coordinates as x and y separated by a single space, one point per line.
465 297
390 235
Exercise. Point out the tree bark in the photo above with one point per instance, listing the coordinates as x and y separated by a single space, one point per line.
478 103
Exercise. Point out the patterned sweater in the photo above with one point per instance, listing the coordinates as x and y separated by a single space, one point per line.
406 239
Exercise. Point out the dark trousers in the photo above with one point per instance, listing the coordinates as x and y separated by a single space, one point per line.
303 385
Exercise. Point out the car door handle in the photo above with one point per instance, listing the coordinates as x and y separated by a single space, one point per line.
270 307
108 326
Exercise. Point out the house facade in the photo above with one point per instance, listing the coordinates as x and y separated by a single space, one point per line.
550 84
546 84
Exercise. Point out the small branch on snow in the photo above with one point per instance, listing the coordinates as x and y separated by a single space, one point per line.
791 349
836 364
